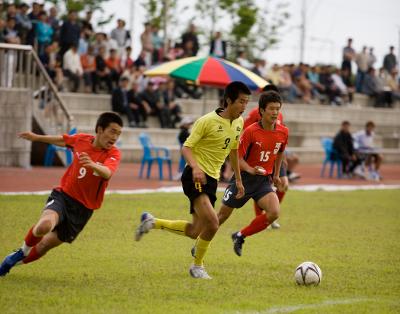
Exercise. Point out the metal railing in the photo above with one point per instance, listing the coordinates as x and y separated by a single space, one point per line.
20 67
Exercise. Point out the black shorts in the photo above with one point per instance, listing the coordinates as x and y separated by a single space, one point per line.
192 190
255 187
73 216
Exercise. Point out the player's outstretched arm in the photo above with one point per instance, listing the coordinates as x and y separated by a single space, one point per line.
49 139
102 171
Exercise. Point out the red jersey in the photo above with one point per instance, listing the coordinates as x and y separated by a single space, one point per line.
83 184
259 147
254 116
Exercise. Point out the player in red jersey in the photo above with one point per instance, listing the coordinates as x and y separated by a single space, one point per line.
261 152
70 206
254 116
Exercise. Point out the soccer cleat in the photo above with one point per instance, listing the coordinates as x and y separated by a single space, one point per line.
275 225
10 261
237 243
198 272
146 223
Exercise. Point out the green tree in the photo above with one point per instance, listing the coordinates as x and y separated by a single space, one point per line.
82 5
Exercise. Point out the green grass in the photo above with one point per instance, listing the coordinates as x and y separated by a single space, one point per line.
353 236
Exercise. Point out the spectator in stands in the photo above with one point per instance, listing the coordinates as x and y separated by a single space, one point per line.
348 55
366 150
23 22
259 67
190 42
392 81
10 32
218 46
88 61
362 60
135 103
34 17
348 81
158 44
120 102
87 24
44 32
390 60
72 67
100 40
341 87
313 76
121 36
84 42
2 27
243 61
371 57
146 39
302 83
141 60
102 72
126 59
52 65
70 33
343 144
330 89
151 100
54 21
374 88
286 86
114 66
169 99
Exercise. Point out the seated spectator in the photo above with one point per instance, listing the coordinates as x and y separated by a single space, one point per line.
102 72
126 60
243 61
52 64
141 60
374 89
366 150
302 83
114 66
286 86
120 102
72 67
10 32
343 144
341 86
151 100
348 80
44 32
330 89
392 81
174 108
135 103
88 61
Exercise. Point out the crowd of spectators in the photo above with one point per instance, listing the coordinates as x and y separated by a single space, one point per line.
78 58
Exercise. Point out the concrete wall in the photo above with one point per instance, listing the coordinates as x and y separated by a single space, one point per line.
15 116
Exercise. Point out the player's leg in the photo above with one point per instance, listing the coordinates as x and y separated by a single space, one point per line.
49 241
46 223
224 213
270 204
208 220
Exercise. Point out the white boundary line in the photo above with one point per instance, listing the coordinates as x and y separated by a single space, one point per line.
178 189
294 308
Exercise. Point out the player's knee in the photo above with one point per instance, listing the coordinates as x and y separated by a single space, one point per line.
212 224
273 214
43 227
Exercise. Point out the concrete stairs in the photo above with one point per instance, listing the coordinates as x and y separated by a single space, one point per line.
307 125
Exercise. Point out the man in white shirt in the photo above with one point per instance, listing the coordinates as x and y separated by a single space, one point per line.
72 67
364 144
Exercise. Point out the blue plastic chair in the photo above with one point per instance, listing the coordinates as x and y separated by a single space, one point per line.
52 149
331 157
152 153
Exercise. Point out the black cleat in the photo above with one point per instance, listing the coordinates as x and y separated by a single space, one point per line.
237 243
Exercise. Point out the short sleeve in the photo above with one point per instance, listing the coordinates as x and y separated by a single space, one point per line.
70 140
113 160
198 131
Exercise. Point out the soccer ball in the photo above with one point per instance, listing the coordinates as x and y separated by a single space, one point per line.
307 274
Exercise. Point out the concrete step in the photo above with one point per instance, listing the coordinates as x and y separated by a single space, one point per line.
80 101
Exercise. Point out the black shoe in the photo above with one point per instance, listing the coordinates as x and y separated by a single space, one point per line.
237 243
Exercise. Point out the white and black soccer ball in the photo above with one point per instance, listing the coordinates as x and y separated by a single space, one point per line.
308 274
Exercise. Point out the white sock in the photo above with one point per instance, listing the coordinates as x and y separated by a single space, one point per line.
26 249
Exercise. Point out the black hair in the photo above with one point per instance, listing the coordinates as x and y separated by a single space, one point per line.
270 87
232 91
267 98
106 118
345 122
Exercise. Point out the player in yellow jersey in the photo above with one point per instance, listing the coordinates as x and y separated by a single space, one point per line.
214 136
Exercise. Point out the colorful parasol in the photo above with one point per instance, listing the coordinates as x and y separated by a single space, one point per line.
208 71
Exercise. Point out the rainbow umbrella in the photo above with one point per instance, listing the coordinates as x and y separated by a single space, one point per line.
208 71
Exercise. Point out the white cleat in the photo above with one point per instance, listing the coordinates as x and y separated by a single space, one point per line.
198 272
146 224
275 225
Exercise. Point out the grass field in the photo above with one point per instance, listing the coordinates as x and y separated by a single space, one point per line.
353 236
